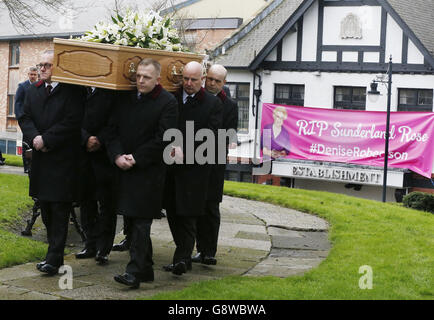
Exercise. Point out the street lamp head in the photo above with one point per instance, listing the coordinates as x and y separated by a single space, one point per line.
374 88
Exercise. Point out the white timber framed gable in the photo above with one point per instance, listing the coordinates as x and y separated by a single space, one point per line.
326 54
321 36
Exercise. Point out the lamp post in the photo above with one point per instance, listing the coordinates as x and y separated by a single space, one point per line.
389 96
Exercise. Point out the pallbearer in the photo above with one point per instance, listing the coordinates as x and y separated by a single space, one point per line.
51 122
97 212
208 225
187 184
136 146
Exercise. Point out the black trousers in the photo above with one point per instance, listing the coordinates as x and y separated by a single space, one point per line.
99 223
208 227
141 246
184 234
55 216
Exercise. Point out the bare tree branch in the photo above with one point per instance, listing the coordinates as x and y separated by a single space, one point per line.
161 4
24 14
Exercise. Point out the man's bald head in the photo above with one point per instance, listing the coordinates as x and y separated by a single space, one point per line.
218 69
216 78
192 77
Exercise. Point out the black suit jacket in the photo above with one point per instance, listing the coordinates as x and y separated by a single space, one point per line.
187 184
57 117
230 121
19 98
137 127
96 171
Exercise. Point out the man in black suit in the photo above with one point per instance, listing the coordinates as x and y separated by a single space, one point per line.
97 211
19 100
136 146
208 225
51 121
187 184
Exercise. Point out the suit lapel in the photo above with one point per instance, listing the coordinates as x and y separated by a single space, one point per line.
42 93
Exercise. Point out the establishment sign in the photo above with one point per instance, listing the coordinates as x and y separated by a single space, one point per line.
348 136
344 174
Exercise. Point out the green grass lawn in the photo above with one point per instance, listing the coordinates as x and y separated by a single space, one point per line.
14 199
12 160
397 243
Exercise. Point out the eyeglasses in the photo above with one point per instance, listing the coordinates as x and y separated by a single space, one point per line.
45 65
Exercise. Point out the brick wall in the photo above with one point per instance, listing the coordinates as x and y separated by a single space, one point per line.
4 63
30 52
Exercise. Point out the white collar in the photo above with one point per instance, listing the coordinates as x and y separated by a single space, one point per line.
53 84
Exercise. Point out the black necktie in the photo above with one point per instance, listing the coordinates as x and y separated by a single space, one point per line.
89 91
189 100
49 88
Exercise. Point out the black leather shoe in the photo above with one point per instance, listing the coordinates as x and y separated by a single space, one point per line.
101 258
86 254
171 267
197 258
168 267
128 279
208 260
124 245
179 268
49 269
40 264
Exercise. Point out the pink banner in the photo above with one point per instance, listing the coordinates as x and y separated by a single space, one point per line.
348 136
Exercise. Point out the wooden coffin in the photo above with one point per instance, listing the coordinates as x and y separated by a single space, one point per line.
113 67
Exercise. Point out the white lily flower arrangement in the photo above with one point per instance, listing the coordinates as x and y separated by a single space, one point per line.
137 29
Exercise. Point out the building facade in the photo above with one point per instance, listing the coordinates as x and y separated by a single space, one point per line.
326 54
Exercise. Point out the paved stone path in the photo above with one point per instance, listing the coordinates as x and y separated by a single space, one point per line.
12 170
256 239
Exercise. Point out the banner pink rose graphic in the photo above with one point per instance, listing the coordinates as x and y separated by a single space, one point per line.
348 136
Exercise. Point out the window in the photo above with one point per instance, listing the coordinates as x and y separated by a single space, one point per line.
246 177
11 147
14 58
288 94
11 105
8 146
415 100
353 98
240 92
232 175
